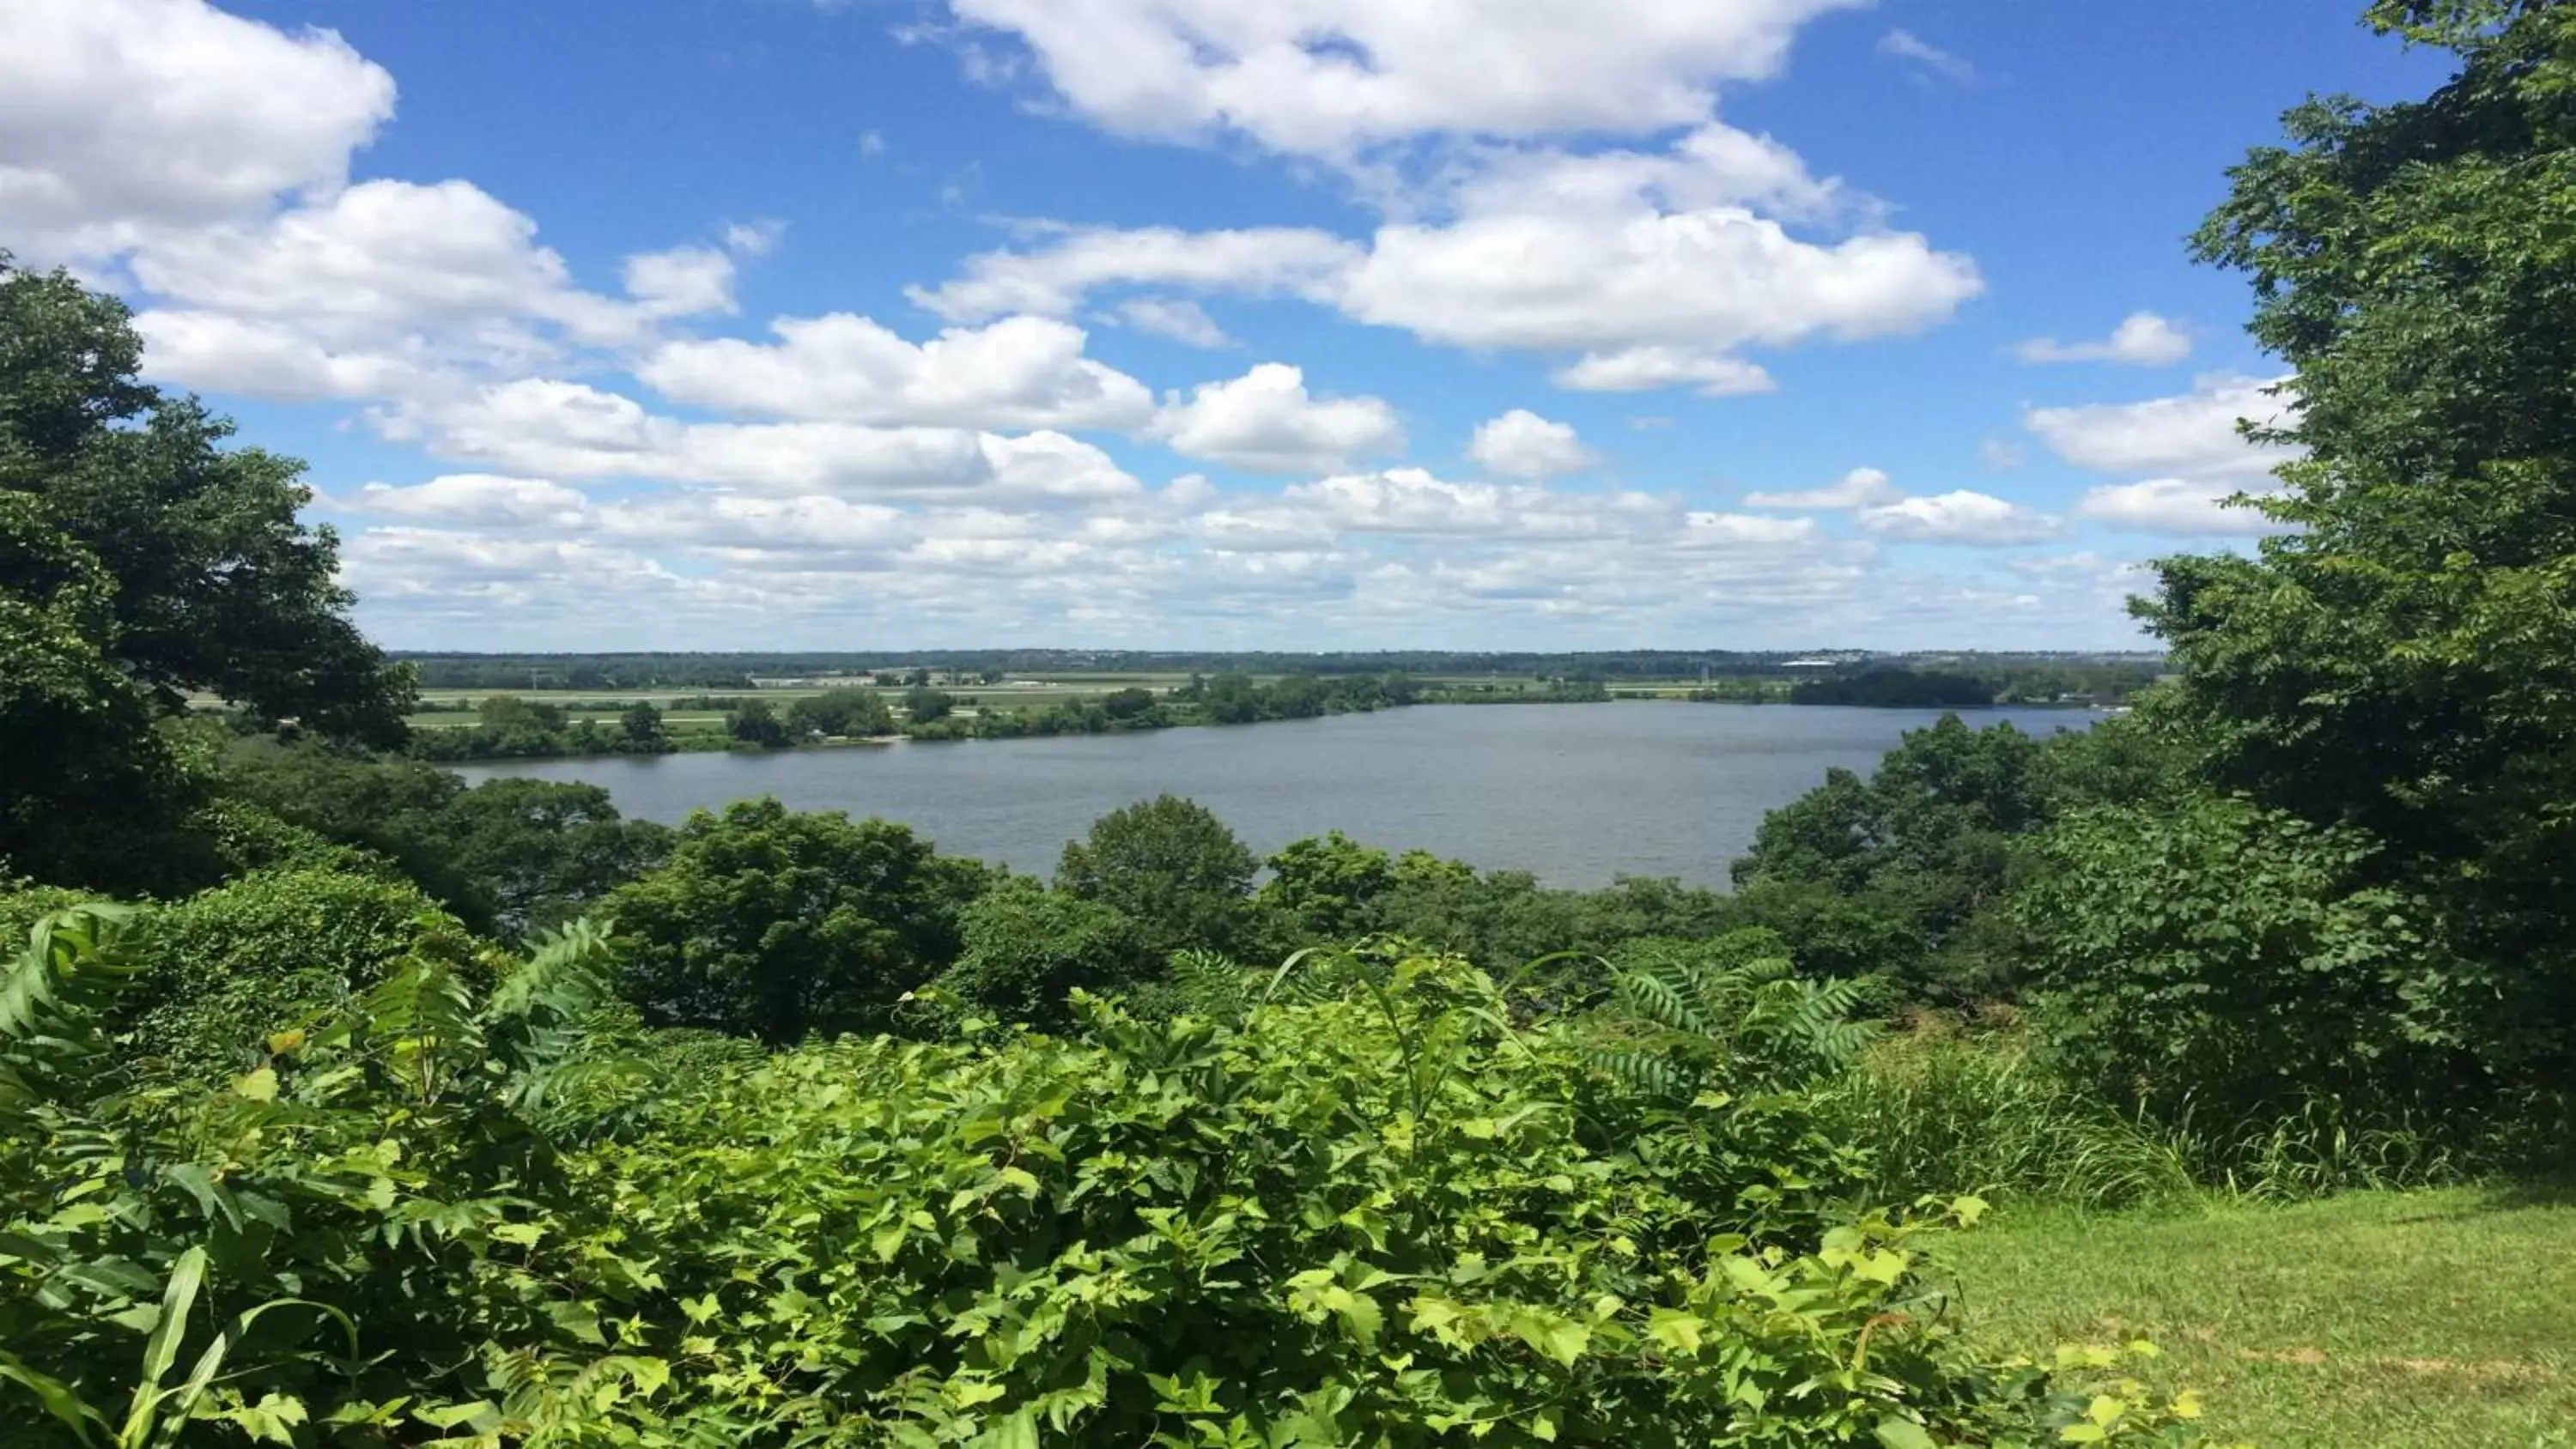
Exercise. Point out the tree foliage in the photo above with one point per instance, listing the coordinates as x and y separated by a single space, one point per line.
212 584
2220 954
842 712
1895 874
755 723
507 855
140 561
1169 865
81 739
642 723
777 924
2397 663
1026 949
1327 888
466 1214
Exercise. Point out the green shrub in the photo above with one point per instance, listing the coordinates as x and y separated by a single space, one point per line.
1727 1014
24 903
2235 959
1172 867
226 968
219 971
331 1252
774 923
1378 1218
1028 948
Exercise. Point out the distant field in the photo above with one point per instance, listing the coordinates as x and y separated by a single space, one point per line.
671 719
617 697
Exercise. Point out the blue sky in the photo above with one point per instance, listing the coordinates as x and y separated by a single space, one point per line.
1196 323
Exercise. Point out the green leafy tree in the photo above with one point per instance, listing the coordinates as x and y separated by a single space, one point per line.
1327 888
1299 696
754 723
1171 866
1925 844
2397 661
1026 948
271 951
1128 704
842 712
509 713
537 852
925 705
391 808
509 725
1232 697
211 582
1897 689
777 924
140 561
642 723
94 788
507 855
1512 920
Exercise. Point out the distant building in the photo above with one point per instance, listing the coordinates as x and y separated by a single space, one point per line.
1809 663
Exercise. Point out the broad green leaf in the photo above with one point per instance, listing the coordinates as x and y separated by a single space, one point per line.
187 1275
1676 1330
58 1397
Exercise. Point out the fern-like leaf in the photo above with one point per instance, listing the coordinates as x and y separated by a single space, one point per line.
74 966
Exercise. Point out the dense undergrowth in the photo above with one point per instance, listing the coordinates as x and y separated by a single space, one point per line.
1362 1207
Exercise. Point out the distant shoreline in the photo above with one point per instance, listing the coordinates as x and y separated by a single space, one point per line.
705 744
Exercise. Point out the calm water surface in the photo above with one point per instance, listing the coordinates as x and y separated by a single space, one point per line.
1576 793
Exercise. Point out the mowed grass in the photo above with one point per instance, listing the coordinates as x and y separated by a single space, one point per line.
2418 1320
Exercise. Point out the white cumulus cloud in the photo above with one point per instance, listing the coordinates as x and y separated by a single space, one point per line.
1266 422
2191 435
1859 488
552 428
264 358
1053 279
481 500
1645 369
1652 269
1521 444
2142 339
1961 516
387 287
1020 372
1329 77
119 118
391 255
2171 505
681 282
1177 319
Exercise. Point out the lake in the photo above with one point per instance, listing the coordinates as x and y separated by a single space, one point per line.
1576 793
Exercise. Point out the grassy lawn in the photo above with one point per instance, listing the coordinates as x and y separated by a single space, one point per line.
2427 1320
